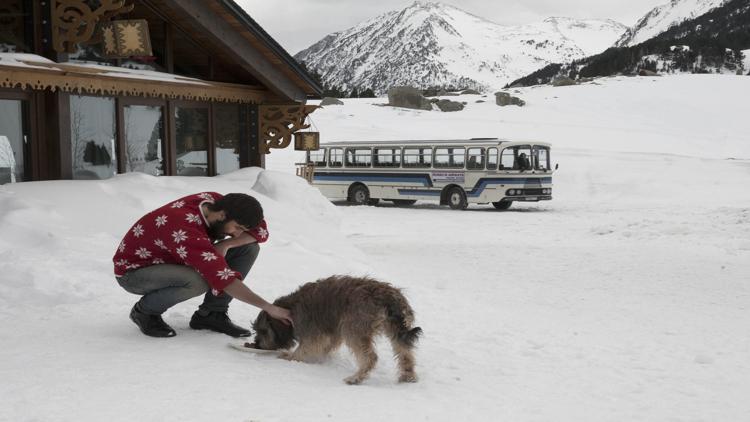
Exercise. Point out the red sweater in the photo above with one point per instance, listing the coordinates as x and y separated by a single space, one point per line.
177 234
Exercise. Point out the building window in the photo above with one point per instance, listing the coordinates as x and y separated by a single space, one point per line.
227 138
191 127
16 26
144 135
13 142
92 137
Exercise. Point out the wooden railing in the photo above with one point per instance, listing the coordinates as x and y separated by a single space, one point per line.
305 171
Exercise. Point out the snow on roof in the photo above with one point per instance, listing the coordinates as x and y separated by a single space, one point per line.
32 61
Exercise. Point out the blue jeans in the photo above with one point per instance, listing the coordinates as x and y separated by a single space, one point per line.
165 285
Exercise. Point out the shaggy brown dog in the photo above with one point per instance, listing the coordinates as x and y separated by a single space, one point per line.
343 309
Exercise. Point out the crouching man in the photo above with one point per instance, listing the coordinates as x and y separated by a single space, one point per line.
200 244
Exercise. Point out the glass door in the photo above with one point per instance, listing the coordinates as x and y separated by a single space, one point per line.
14 141
144 139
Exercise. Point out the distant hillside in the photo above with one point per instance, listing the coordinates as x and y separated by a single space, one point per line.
710 43
661 18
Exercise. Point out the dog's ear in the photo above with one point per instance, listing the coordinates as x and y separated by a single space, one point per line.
284 333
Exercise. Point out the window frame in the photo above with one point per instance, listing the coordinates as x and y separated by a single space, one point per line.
535 157
420 164
318 163
495 155
354 158
451 155
477 166
340 162
395 155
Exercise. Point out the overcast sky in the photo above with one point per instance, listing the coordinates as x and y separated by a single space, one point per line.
297 24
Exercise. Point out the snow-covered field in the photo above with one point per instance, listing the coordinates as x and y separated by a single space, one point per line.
625 298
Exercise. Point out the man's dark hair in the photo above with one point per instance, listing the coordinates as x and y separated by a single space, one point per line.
242 208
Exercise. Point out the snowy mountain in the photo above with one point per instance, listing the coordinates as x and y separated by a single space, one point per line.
661 18
715 42
433 44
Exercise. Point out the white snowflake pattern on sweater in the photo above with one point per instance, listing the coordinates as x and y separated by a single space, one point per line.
193 218
161 220
226 273
143 253
138 231
179 236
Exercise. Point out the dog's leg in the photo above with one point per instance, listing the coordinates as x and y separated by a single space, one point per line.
310 351
406 362
364 351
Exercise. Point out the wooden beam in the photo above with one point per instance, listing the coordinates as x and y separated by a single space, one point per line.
219 31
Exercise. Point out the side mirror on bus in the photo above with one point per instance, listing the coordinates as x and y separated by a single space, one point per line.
557 166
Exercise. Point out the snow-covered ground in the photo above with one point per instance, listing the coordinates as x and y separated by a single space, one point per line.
625 298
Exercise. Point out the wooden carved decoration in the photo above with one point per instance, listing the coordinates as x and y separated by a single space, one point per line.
279 122
125 38
306 141
74 21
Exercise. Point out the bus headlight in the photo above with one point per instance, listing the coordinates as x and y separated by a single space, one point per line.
511 192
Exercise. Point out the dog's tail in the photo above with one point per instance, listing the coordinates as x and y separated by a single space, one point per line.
400 318
409 338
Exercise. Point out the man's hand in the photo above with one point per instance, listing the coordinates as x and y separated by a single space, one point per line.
280 313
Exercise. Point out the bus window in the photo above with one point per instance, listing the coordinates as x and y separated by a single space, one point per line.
541 158
318 157
386 157
417 157
523 158
450 157
516 158
335 157
491 158
358 157
507 158
475 160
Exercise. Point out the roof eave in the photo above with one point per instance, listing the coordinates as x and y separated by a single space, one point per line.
274 46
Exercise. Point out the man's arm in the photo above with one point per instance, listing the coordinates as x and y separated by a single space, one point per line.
233 242
238 290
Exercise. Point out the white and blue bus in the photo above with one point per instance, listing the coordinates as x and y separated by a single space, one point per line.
453 172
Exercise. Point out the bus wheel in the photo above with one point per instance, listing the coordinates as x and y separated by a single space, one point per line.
457 199
502 205
403 202
360 195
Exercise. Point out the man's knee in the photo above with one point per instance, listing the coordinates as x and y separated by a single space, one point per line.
197 288
243 257
251 249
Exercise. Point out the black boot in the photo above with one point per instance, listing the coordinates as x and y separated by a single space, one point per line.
219 322
151 325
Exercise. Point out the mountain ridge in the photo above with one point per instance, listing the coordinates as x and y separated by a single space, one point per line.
431 44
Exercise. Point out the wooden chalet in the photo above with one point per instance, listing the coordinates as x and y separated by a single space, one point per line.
93 88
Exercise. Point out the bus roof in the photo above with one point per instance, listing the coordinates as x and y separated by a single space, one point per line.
472 141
